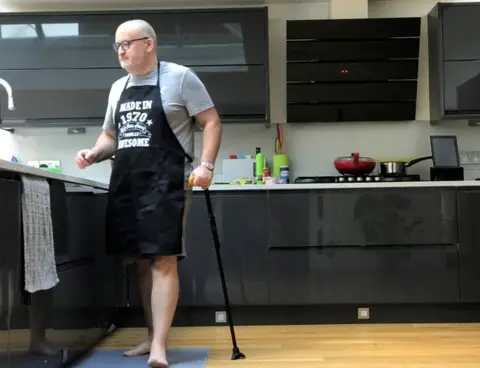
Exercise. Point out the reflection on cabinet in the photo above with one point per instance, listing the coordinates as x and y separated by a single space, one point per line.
205 37
59 94
237 91
469 245
384 274
76 41
394 217
459 42
462 85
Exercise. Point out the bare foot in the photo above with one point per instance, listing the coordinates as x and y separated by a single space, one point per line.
158 359
141 349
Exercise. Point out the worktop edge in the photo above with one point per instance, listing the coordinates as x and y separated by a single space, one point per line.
340 186
30 170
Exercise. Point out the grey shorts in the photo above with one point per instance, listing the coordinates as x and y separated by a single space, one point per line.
188 203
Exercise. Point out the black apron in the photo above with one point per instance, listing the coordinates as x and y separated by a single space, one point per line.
146 198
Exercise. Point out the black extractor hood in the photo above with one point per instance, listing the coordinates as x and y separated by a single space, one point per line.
342 70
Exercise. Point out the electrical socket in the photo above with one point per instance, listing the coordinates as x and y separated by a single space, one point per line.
220 317
52 163
363 313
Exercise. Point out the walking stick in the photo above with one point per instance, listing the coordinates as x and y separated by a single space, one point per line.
236 353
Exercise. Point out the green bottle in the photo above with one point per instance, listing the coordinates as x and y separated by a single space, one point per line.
259 165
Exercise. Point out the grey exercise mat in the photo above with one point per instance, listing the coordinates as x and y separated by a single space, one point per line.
177 358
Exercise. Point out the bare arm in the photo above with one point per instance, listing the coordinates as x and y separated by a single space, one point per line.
212 134
105 146
200 105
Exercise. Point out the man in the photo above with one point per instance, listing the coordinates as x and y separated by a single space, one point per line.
149 128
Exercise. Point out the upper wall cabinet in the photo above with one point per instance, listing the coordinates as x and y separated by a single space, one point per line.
54 96
228 50
58 41
61 65
352 70
454 61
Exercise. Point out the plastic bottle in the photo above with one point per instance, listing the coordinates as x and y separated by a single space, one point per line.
259 165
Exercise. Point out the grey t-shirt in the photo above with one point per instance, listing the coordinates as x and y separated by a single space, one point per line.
183 96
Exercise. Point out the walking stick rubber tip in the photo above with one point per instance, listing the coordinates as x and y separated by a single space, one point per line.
237 354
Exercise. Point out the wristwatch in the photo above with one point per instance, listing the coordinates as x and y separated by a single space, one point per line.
208 165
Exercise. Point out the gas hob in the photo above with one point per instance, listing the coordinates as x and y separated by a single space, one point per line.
354 179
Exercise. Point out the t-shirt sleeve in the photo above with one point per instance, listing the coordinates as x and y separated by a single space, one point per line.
194 94
109 122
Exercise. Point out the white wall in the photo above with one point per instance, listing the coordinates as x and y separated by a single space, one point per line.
312 147
8 145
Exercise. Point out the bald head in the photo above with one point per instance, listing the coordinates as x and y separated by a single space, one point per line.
139 26
137 46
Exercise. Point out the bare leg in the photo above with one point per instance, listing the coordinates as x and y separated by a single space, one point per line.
164 303
144 268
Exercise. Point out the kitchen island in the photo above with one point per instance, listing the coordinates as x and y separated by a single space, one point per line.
81 309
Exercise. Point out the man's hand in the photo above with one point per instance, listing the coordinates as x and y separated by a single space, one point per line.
201 177
85 158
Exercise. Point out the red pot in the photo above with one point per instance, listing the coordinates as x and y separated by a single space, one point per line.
355 164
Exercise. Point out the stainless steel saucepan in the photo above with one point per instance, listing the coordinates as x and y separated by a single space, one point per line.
399 168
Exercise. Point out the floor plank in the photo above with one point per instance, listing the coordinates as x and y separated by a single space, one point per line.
328 346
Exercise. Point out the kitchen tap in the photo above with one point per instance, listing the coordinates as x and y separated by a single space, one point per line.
8 88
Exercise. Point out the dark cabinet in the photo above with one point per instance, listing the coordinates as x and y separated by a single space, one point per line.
226 49
245 257
288 219
238 91
460 39
384 274
469 245
208 38
301 247
61 65
298 219
462 85
79 299
318 255
454 61
59 94
394 217
58 41
86 219
198 271
10 227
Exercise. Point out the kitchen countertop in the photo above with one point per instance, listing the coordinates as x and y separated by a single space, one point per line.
25 169
81 183
412 184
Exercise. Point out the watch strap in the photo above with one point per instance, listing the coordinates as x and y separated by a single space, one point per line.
208 165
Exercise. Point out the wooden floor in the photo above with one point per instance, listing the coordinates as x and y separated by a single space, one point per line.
328 346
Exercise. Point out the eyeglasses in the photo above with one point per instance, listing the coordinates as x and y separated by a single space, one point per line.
125 45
